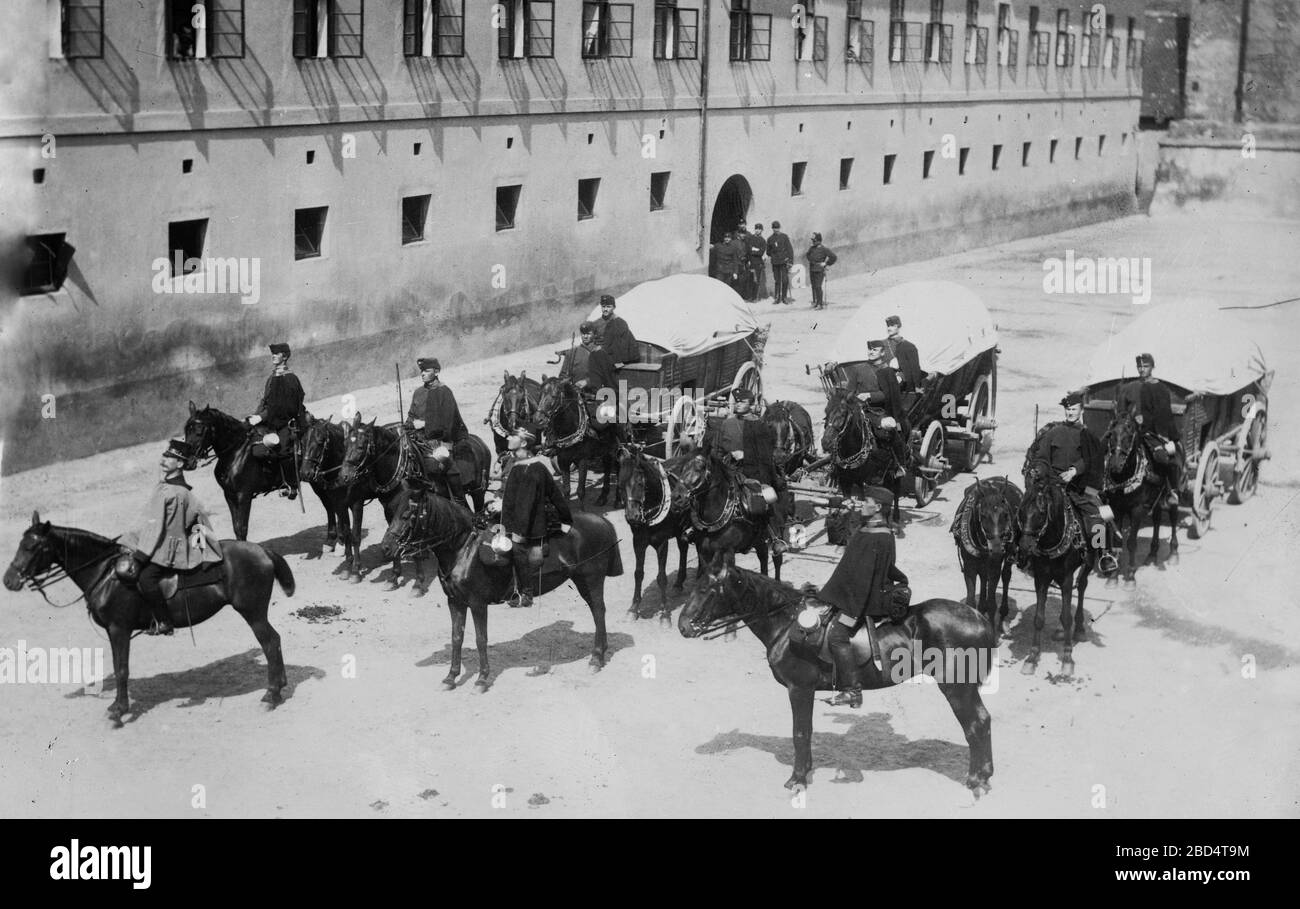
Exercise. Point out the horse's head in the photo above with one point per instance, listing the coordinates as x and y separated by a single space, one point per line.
632 482
35 554
841 409
1043 493
555 391
201 431
407 524
692 471
358 445
1120 440
995 515
711 605
313 445
787 442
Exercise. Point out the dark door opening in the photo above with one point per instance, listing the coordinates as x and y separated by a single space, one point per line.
729 210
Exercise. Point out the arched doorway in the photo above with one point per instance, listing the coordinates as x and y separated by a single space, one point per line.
731 207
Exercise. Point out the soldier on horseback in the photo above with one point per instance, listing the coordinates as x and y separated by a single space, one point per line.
592 371
865 584
1075 455
171 536
888 398
528 489
435 420
278 413
746 442
1147 398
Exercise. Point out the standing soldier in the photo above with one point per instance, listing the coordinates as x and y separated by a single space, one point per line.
173 534
727 260
281 406
435 417
1147 398
740 246
528 489
758 274
819 259
614 336
781 254
904 352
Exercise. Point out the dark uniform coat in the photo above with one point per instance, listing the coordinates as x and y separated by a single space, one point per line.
436 406
528 487
779 250
863 581
167 525
819 257
756 439
616 338
281 402
889 398
1064 445
909 363
860 379
1151 400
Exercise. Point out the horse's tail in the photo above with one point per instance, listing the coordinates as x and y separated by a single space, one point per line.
282 573
614 564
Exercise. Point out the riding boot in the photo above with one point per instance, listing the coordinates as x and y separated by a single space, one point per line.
840 640
148 587
290 490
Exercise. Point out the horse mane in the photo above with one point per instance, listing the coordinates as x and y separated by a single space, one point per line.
223 420
448 516
760 587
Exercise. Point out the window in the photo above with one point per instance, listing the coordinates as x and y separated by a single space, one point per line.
606 29
587 190
977 38
1091 46
436 28
889 169
997 157
47 265
185 241
415 212
327 28
938 37
658 190
1078 146
1110 53
308 232
80 29
796 177
926 161
214 30
1134 45
1064 39
507 205
1008 38
1024 154
676 31
810 44
1040 41
1051 152
527 30
846 170
962 155
861 44
751 34
1101 145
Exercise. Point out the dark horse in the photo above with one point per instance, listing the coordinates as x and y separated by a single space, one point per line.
939 638
586 555
710 492
375 466
793 429
1051 536
320 451
47 552
563 415
1133 493
241 476
985 529
515 406
655 519
857 460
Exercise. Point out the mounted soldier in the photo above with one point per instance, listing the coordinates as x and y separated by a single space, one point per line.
1148 399
529 489
865 585
744 441
905 355
1076 457
437 426
591 369
174 534
889 399
278 415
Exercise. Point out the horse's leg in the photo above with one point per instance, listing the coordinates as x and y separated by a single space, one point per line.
776 561
989 594
895 487
270 641
119 637
421 586
1131 547
968 707
639 546
1042 584
682 548
1080 617
968 573
604 484
396 580
331 521
245 512
1066 633
457 610
1172 511
801 711
358 512
482 683
1153 553
665 607
592 590
1007 564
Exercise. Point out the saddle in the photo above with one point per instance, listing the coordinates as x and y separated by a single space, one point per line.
811 642
127 569
749 492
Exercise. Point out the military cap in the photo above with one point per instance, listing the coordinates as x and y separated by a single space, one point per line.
817 238
894 320
607 300
179 449
587 328
743 394
776 225
1072 399
280 348
877 343
1147 359
428 363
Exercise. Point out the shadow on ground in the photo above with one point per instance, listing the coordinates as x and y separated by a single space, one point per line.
539 650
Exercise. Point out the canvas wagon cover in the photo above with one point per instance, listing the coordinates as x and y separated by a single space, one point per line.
1196 346
685 314
948 323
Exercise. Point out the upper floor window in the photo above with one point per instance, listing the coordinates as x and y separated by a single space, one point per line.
861 43
977 37
76 28
433 28
1008 38
751 33
810 43
1134 45
938 37
676 31
606 29
1064 39
327 28
527 29
1040 41
199 29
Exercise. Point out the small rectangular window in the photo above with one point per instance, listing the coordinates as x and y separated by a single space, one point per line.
1078 147
507 205
846 171
889 169
1051 152
309 232
796 177
658 190
606 29
415 211
81 29
1024 154
185 241
587 190
926 161
962 155
202 29
861 36
328 28
47 264
1101 145
676 34
997 156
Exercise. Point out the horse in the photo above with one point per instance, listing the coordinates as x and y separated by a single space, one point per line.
946 640
563 414
586 555
47 552
708 491
984 529
1046 514
857 460
655 519
320 451
515 406
1132 494
793 430
241 476
375 465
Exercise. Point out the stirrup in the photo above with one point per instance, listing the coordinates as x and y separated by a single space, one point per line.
1107 564
847 697
160 627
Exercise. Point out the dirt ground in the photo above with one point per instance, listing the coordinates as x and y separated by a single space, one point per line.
1159 720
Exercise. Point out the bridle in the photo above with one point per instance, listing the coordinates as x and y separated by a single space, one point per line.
1043 480
417 516
56 570
640 469
700 485
1136 453
205 432
362 461
974 517
719 626
314 448
557 392
833 431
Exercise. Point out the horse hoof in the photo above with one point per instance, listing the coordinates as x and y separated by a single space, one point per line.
796 783
418 591
272 697
115 713
449 683
596 663
1160 566
1029 667
1058 634
391 586
354 578
666 618
1173 558
1130 583
1067 668
481 684
1150 559
1080 634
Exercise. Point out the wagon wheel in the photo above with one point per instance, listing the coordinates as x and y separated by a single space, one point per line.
749 377
1251 442
685 423
930 454
978 414
1206 488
